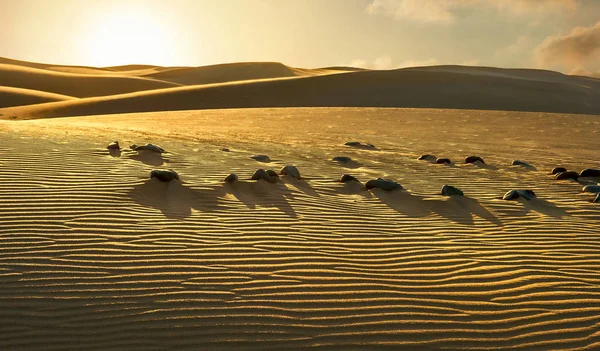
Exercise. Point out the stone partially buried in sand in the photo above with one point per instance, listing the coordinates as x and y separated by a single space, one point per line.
273 176
261 174
556 170
567 175
590 172
114 146
597 199
232 177
443 161
385 184
360 145
473 159
291 171
521 163
342 159
591 189
348 178
449 190
164 175
516 194
147 147
261 158
427 157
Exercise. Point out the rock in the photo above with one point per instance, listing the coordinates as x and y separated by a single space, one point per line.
164 175
147 147
232 177
224 149
597 199
291 171
273 176
114 146
427 157
443 161
473 159
520 163
261 158
342 159
590 173
567 175
348 178
591 189
261 174
360 145
556 170
385 184
449 190
515 194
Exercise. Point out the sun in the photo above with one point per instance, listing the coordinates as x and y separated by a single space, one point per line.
129 35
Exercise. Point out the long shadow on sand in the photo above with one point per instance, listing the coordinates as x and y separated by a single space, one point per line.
542 206
262 193
174 199
148 157
300 184
457 209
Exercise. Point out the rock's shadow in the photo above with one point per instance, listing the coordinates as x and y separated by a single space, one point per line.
174 199
262 193
350 165
300 184
148 157
542 206
114 152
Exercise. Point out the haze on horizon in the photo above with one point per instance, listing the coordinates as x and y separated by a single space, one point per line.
562 35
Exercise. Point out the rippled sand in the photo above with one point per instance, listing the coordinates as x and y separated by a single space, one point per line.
94 255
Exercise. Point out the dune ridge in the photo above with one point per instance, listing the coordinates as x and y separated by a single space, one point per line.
98 256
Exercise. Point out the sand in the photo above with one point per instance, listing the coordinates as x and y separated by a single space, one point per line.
95 255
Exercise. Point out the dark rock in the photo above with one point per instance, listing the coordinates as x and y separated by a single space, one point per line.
384 184
342 159
427 157
232 177
449 190
291 171
443 160
567 175
147 147
556 170
590 173
521 163
224 149
597 199
114 146
515 194
473 159
164 175
360 145
273 176
347 178
261 158
261 174
591 189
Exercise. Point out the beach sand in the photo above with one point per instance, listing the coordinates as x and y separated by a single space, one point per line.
95 255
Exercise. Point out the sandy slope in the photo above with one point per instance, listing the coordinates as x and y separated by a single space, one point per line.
96 256
16 97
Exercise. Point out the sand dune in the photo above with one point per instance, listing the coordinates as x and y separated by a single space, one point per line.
17 97
422 88
95 255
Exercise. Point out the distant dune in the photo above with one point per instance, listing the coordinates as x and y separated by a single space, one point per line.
457 88
17 96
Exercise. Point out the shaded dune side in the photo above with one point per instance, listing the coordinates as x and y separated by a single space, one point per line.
16 97
401 88
78 85
96 255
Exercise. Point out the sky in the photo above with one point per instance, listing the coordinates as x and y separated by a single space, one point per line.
562 35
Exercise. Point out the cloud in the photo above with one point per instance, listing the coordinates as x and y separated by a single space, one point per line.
444 11
580 49
386 62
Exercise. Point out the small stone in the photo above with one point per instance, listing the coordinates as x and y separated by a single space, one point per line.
291 171
360 145
473 159
515 194
273 176
567 175
232 177
224 149
261 158
348 178
449 190
597 199
520 163
342 159
164 175
114 146
261 174
591 189
147 147
556 170
443 161
427 157
385 184
590 173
